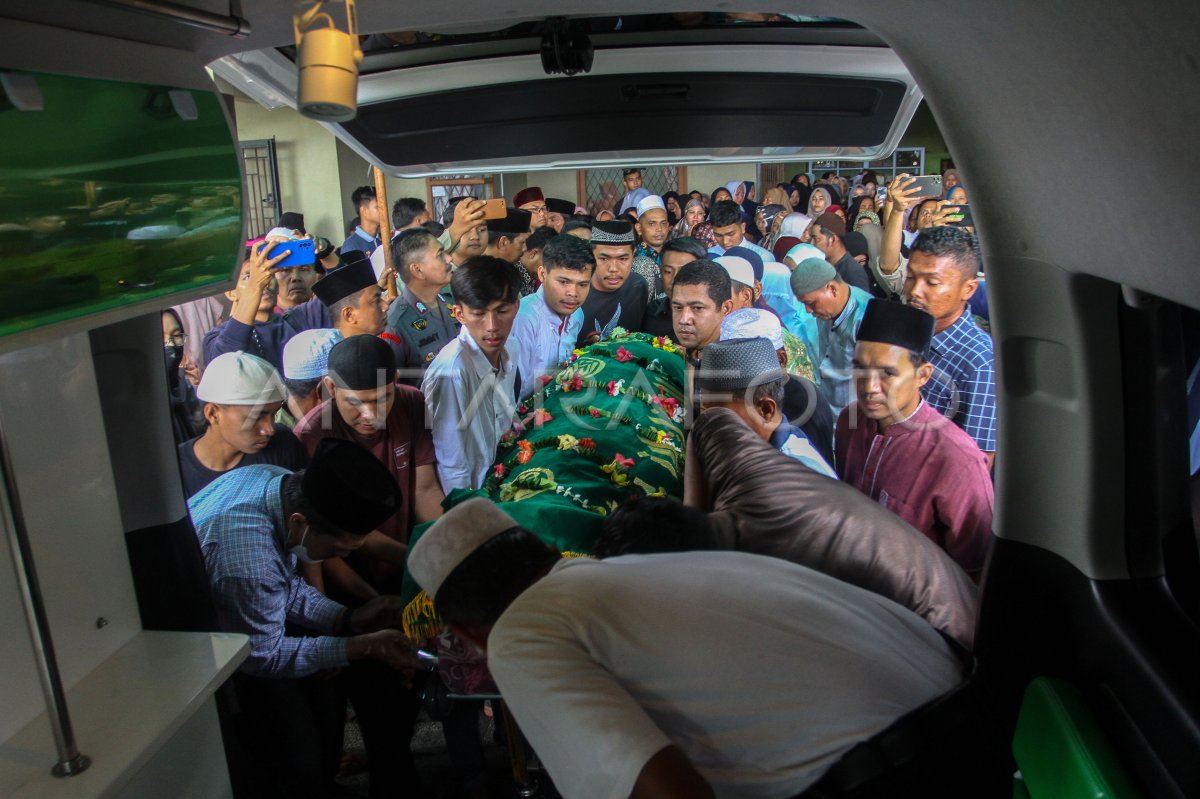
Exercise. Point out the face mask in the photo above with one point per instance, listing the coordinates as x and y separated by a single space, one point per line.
174 356
301 551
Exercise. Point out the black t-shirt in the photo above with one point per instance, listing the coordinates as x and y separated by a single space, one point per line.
657 319
604 311
799 396
283 450
852 272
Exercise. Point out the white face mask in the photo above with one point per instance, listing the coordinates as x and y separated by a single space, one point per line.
301 551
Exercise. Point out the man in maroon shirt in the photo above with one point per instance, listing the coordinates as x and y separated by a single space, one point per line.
387 419
898 450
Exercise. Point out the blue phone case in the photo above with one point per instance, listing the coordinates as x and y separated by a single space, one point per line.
302 253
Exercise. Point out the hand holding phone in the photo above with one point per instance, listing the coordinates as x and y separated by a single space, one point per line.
302 253
495 209
926 186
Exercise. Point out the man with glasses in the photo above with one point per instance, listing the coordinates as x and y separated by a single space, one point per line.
533 201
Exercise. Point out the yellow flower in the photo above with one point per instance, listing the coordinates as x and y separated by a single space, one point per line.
567 442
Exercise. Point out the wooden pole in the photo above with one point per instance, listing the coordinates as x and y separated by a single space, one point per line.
385 228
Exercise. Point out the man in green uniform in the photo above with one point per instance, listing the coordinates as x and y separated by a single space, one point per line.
420 321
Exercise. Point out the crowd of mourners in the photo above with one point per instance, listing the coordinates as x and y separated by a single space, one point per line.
813 588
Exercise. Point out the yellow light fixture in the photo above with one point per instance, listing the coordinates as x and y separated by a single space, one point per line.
328 59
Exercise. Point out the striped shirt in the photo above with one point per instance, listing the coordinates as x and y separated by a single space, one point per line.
242 530
963 386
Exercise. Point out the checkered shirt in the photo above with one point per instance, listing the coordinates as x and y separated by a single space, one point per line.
963 386
239 520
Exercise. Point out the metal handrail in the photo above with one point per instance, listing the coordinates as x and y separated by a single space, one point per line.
70 760
229 25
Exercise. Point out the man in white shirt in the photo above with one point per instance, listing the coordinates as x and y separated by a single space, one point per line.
693 674
549 320
470 388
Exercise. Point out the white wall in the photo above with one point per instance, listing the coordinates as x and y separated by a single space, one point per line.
55 433
706 178
307 158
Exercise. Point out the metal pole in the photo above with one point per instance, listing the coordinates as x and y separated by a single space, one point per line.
230 25
70 761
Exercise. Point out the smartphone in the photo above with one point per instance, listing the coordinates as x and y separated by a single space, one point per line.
928 185
967 220
302 253
495 209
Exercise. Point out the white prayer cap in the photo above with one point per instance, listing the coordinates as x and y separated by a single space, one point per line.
649 204
753 323
279 233
239 378
306 355
739 269
452 538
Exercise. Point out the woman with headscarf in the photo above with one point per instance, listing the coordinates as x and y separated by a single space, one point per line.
777 195
802 179
674 207
796 226
187 420
957 195
703 233
737 191
771 217
819 201
693 215
719 193
950 179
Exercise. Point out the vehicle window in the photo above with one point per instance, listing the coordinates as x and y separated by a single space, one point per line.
80 233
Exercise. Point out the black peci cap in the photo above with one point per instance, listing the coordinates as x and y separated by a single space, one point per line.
897 324
361 363
514 223
350 487
350 278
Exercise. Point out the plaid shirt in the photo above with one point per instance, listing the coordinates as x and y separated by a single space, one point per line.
963 386
239 520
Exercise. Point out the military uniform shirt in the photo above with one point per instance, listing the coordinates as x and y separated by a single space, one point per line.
421 330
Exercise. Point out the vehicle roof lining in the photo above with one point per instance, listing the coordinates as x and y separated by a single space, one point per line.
1030 99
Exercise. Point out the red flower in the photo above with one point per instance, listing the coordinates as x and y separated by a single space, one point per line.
523 456
498 470
577 383
545 379
541 416
624 355
595 412
622 461
586 443
669 404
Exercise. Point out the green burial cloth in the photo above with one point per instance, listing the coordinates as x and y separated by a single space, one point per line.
609 424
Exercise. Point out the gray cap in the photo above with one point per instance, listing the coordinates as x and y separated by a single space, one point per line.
810 275
736 364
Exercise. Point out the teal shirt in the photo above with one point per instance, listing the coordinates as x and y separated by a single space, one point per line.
835 351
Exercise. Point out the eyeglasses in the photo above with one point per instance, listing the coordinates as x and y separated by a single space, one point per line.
537 209
176 338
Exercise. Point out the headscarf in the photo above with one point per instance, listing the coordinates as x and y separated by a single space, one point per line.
874 236
703 233
769 215
795 225
732 187
777 195
712 198
680 229
671 218
828 196
805 192
958 181
865 215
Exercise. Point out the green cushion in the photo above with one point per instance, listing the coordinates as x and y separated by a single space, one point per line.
1060 750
